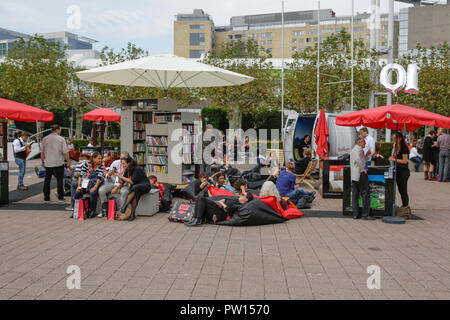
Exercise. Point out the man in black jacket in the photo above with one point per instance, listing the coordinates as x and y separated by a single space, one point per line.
216 210
302 163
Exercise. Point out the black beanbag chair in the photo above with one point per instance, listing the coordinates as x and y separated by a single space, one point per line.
253 213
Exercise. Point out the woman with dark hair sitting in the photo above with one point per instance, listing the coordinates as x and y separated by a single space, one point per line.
135 176
89 180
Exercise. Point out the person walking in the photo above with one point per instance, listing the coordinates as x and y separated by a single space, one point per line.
53 152
443 143
360 180
20 154
402 174
369 149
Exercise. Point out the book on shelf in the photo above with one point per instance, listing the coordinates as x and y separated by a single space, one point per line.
139 158
159 151
139 147
141 116
187 179
157 140
139 135
152 159
157 169
167 117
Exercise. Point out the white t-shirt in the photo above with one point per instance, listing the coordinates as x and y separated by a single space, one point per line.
370 145
118 167
413 153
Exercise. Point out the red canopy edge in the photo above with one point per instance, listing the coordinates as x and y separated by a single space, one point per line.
392 115
17 111
102 114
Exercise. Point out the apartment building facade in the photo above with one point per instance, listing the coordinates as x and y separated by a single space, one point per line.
300 31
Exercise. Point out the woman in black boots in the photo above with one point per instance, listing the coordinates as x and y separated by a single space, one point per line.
139 184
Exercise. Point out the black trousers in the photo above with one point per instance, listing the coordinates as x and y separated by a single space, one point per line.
206 209
140 189
361 187
402 177
59 174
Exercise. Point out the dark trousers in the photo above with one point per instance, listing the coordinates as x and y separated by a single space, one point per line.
417 161
140 189
402 177
59 174
206 208
361 187
93 198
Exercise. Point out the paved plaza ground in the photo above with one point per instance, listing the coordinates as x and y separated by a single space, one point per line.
151 258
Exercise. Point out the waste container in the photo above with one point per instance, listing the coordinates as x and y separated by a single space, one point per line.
4 187
331 172
381 187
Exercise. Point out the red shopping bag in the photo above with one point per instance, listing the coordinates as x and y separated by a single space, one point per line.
111 209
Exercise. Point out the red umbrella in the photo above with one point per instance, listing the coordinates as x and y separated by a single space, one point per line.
322 134
393 117
102 114
22 112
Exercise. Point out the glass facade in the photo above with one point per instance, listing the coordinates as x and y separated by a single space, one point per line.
197 26
3 49
195 54
403 32
197 39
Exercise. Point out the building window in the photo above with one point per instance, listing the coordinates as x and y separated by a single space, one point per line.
195 54
266 34
294 40
238 36
298 33
294 48
230 36
308 39
3 49
197 39
270 50
315 39
301 40
263 42
197 26
269 42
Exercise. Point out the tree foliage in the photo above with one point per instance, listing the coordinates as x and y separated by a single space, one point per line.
247 58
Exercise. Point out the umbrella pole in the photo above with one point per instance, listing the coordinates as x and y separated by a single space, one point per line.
394 219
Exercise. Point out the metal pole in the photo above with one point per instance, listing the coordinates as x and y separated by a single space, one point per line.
390 54
318 56
282 69
351 98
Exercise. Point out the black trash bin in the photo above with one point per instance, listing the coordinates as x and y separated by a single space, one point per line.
4 187
381 192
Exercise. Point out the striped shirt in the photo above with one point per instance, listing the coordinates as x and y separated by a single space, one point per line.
85 169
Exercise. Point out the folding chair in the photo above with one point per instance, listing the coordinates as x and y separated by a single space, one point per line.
307 174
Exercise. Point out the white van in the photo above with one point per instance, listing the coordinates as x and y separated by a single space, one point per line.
340 141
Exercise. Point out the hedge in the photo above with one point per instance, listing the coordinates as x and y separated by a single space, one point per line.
77 143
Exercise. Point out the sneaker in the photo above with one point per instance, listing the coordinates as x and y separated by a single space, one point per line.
70 208
100 215
36 169
61 200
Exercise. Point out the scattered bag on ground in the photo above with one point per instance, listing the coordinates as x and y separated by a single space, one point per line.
111 209
181 212
404 212
80 209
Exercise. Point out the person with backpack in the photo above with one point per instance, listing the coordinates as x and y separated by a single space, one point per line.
20 154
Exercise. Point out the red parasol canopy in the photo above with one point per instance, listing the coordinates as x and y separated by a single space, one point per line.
22 112
390 116
102 114
322 134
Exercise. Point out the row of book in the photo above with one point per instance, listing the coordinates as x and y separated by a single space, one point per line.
189 129
162 118
139 135
139 158
157 169
139 126
157 140
157 160
187 179
143 117
162 151
139 147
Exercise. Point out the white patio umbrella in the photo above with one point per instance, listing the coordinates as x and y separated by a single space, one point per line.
164 71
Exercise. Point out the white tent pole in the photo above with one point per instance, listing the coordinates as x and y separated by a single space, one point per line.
318 56
282 70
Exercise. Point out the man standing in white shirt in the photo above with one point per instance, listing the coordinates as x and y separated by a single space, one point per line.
369 149
112 185
20 155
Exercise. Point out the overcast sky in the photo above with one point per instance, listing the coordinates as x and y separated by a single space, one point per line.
146 23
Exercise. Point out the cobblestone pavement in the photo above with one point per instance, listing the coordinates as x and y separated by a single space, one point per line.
306 258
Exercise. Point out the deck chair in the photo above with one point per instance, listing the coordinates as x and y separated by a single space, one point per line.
307 174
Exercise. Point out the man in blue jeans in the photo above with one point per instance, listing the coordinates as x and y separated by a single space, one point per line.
20 155
287 188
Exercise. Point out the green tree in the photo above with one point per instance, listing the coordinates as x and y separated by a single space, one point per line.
35 72
434 80
247 58
335 65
